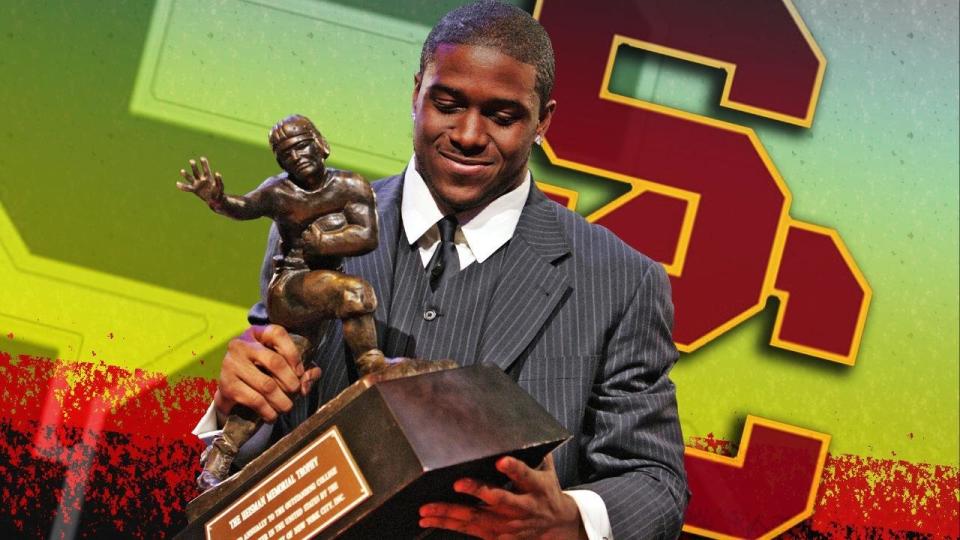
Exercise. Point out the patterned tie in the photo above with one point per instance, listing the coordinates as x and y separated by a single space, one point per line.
445 261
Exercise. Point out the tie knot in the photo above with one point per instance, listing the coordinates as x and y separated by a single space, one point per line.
447 226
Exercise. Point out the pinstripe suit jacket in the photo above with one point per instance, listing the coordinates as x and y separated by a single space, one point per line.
592 319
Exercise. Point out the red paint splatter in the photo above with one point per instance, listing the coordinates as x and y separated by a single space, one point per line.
890 494
112 445
136 468
110 335
713 445
10 335
861 497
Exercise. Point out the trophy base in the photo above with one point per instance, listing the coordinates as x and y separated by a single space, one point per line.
363 464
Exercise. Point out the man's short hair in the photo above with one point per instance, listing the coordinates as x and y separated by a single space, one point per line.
509 29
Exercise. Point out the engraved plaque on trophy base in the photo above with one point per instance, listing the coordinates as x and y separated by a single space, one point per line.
366 461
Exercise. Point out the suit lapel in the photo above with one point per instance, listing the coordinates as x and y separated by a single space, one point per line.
530 285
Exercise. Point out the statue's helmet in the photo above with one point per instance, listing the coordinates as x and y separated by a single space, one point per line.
294 129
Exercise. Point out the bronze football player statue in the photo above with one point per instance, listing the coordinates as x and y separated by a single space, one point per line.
322 215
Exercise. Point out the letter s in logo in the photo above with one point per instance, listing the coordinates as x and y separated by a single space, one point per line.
706 200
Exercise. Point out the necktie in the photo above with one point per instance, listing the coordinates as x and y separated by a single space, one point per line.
445 261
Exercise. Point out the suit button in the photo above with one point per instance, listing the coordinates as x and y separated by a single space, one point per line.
430 314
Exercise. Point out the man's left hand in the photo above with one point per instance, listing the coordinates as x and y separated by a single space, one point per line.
536 508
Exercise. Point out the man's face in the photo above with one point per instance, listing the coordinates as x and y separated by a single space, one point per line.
302 159
477 114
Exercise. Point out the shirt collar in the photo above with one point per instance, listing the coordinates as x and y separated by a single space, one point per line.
484 231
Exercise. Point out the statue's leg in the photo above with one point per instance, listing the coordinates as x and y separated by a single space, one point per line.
240 425
360 333
357 304
350 297
293 298
300 298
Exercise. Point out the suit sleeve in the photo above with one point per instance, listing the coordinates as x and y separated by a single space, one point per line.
632 444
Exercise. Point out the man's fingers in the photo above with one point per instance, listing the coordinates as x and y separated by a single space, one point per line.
523 477
248 354
193 167
276 367
206 167
464 519
262 370
265 386
458 512
218 181
456 526
247 396
277 338
498 500
307 380
235 387
527 513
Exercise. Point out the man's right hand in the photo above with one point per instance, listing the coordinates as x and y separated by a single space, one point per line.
262 370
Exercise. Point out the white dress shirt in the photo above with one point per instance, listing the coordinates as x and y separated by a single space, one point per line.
479 235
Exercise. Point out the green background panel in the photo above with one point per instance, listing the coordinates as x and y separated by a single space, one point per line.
104 102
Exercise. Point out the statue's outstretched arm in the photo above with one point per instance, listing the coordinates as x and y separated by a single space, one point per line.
209 187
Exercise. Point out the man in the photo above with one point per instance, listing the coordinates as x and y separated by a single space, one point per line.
582 320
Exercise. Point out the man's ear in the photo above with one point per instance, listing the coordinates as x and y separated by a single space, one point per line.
417 79
546 116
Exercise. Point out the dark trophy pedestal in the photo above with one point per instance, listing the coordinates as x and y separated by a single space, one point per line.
365 462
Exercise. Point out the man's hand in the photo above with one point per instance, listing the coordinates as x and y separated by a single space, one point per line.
537 508
205 185
261 370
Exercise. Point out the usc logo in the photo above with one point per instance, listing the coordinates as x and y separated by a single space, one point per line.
705 200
